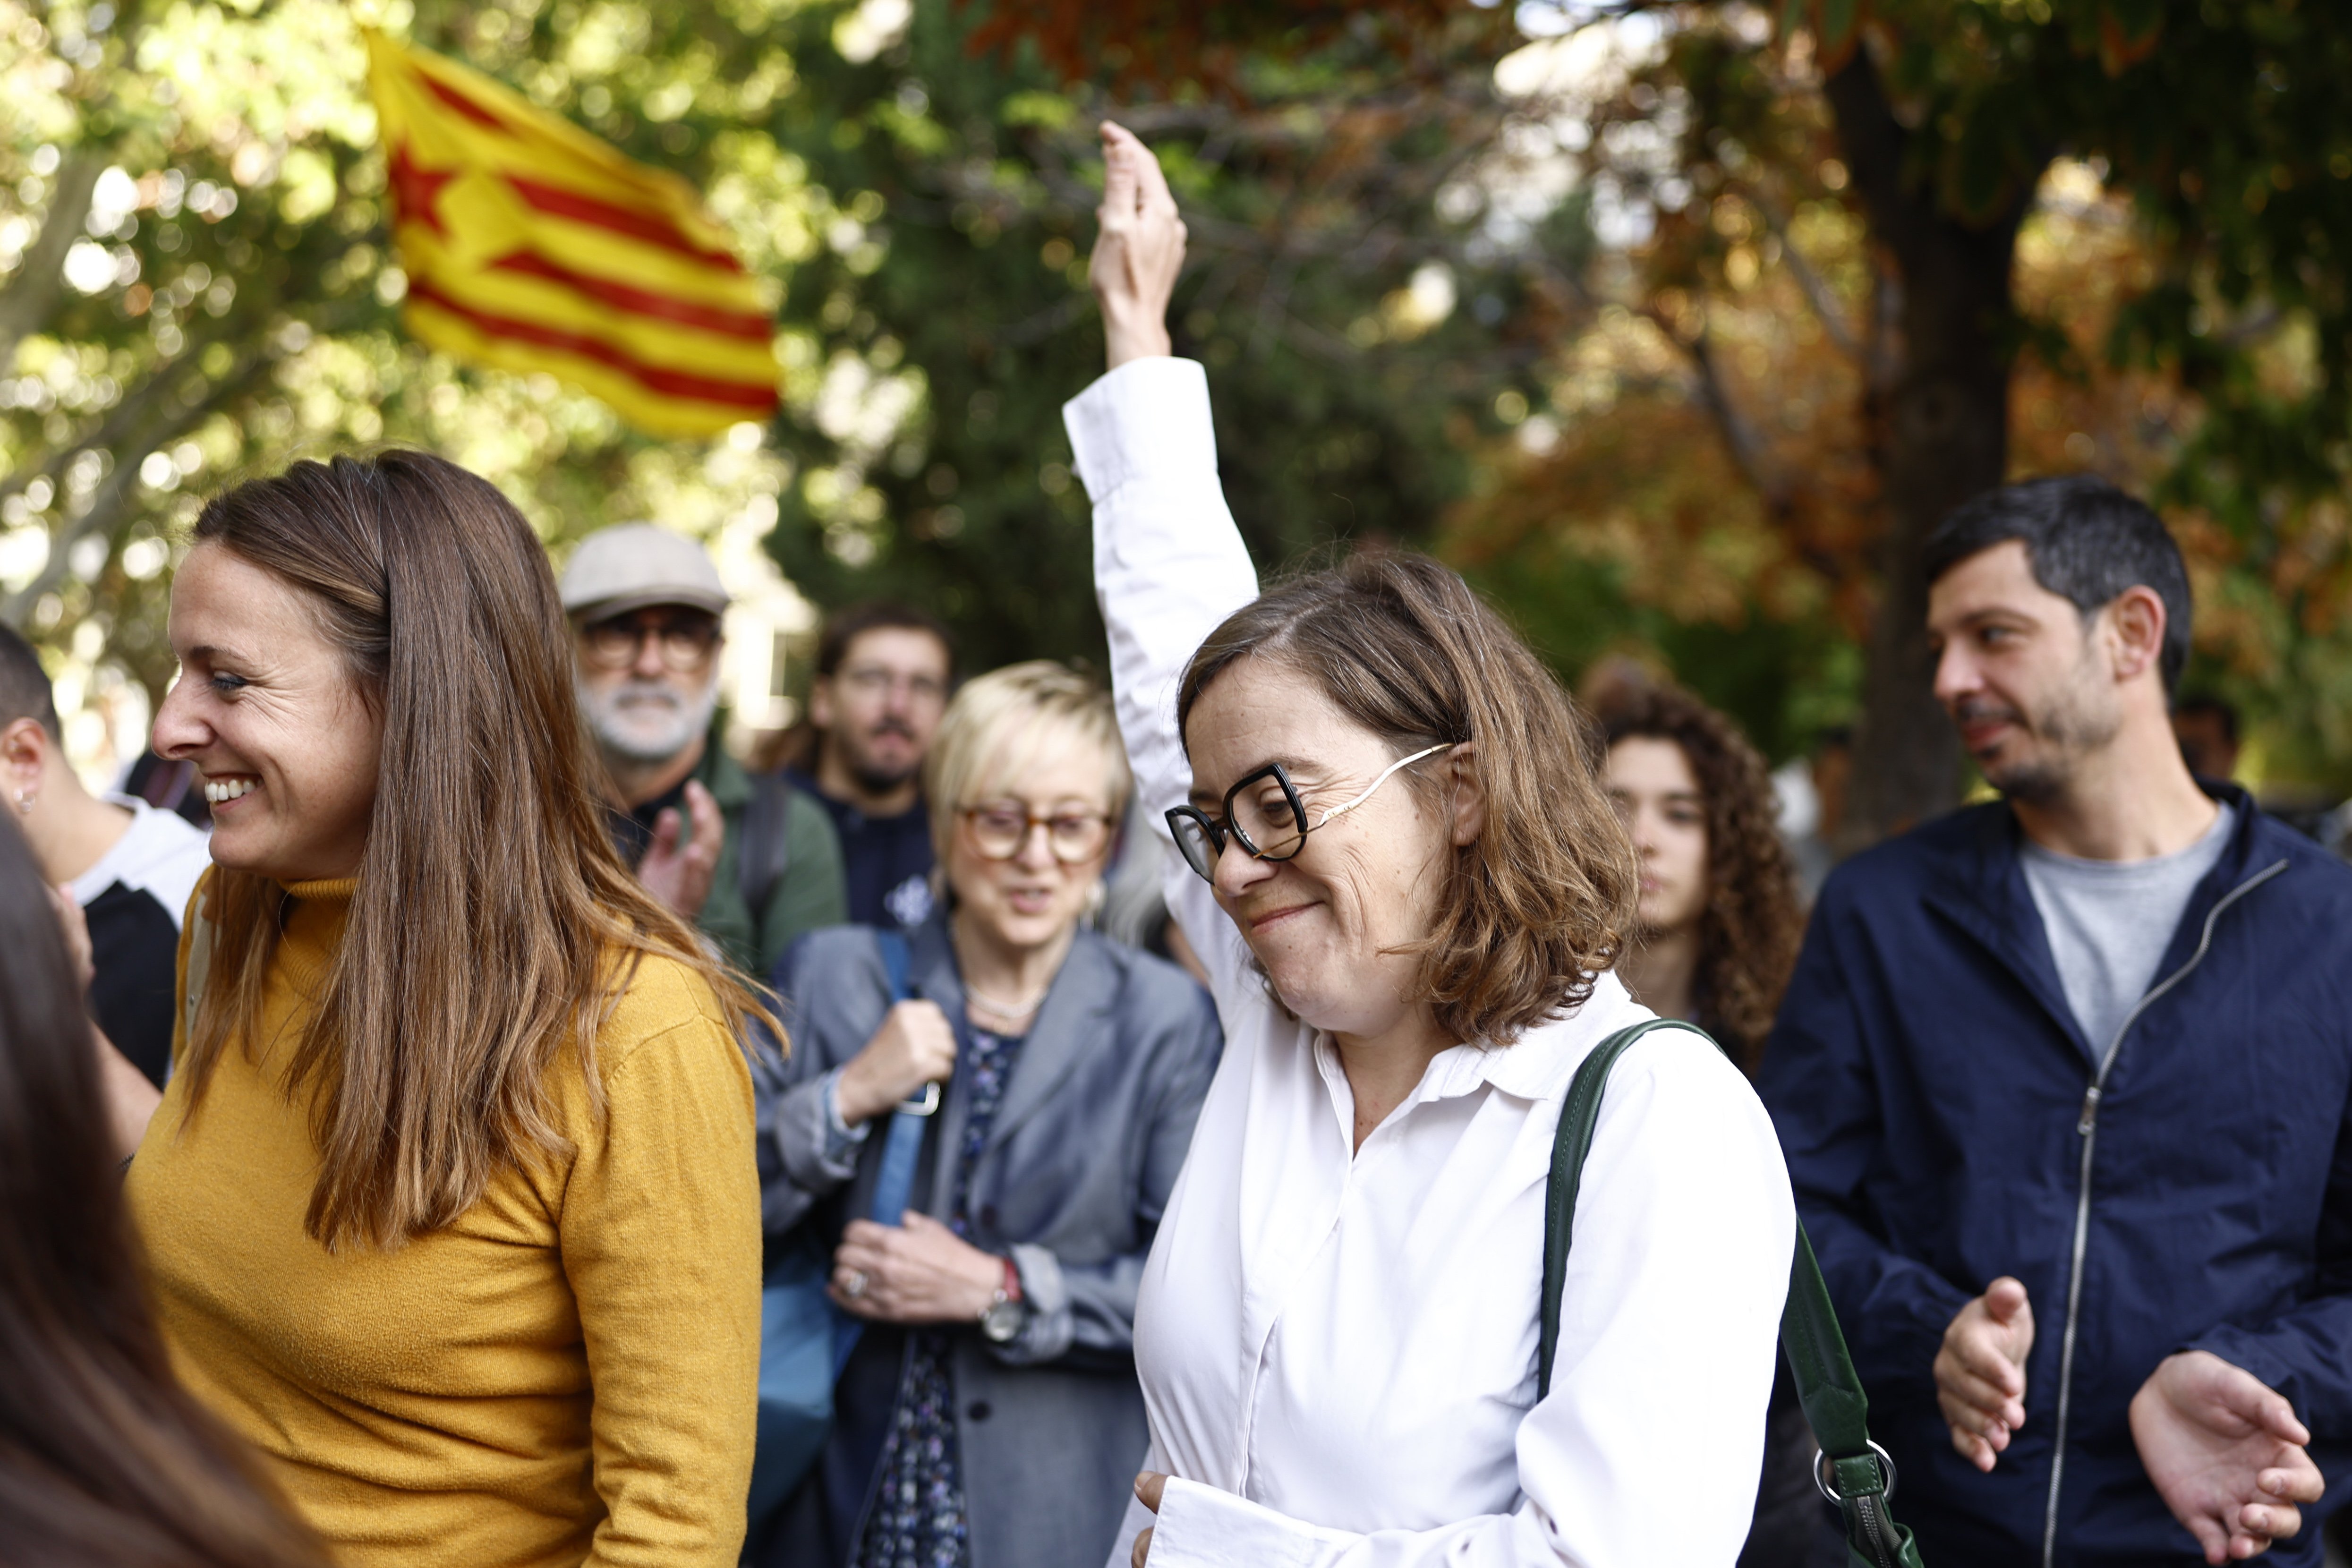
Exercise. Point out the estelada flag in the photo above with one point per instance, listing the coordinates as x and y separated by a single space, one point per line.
532 245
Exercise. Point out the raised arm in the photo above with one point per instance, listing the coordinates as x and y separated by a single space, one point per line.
1169 562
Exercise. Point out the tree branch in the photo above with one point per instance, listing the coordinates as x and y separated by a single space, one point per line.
112 498
1816 288
1747 444
120 421
40 277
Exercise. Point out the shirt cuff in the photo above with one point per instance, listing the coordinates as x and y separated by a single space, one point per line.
1201 1526
1148 417
841 1140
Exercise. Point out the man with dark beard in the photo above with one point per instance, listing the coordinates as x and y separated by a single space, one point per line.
753 863
2063 1084
882 676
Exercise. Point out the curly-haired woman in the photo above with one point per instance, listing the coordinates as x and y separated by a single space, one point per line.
1717 933
1719 919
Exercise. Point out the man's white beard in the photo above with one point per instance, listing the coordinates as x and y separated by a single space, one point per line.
646 721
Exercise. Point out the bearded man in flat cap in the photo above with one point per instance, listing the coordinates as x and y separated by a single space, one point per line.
752 861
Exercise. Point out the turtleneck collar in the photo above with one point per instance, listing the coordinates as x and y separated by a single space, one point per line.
315 914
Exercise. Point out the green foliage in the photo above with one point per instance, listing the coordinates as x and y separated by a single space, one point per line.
1379 301
231 302
956 289
2227 126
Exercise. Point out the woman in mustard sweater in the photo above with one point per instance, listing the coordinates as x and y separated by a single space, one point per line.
451 1203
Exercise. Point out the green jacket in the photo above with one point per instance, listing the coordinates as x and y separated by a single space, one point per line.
810 894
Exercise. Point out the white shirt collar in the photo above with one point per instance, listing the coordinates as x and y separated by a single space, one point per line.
1538 1066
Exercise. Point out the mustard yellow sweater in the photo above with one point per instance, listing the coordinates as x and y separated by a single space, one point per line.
565 1375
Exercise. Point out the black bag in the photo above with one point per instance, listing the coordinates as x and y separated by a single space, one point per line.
1852 1471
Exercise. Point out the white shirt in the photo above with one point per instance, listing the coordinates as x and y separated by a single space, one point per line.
160 854
1338 1346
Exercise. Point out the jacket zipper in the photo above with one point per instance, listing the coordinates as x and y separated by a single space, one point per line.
2086 1127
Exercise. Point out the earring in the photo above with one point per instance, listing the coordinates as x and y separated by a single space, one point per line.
23 802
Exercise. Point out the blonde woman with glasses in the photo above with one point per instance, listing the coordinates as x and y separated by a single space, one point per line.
987 1143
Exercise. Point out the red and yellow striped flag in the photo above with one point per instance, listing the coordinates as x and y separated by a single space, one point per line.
532 245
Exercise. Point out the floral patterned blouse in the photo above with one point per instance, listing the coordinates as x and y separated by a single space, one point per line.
917 1519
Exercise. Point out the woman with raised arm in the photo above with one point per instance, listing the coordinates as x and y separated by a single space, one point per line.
1409 890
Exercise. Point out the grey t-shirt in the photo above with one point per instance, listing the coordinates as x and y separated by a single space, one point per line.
2109 921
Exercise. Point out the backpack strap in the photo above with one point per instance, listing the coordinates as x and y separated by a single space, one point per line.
1579 1114
894 1187
1851 1470
764 852
902 1144
200 968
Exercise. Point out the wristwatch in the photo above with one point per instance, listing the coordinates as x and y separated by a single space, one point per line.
1007 1313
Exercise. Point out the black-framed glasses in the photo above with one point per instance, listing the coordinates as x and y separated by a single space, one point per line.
1264 815
685 640
999 829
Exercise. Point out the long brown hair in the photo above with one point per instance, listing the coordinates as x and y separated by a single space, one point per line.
1749 930
105 1461
494 924
1543 900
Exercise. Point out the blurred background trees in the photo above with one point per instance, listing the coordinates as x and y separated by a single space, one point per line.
1674 326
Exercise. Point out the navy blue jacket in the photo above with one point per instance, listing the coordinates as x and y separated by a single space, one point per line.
1933 1094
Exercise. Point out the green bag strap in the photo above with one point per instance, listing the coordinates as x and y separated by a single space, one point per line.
1851 1470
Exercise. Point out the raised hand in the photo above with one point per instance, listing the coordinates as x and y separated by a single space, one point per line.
680 865
1980 1370
2226 1452
1138 252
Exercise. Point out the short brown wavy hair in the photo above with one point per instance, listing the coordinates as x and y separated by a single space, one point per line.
1751 926
1542 902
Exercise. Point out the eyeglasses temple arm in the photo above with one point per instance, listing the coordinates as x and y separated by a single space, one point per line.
1385 775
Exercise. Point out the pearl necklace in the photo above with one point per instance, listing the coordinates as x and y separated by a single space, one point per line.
1011 1014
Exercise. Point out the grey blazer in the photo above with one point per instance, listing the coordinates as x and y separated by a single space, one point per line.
1070 1184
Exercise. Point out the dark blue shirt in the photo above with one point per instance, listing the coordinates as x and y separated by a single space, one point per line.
887 860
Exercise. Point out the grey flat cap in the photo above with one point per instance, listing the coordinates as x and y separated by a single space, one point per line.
633 564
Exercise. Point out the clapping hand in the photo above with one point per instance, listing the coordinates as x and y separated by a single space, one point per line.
2226 1452
1980 1370
681 862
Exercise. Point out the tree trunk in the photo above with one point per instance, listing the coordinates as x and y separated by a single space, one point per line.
1943 437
